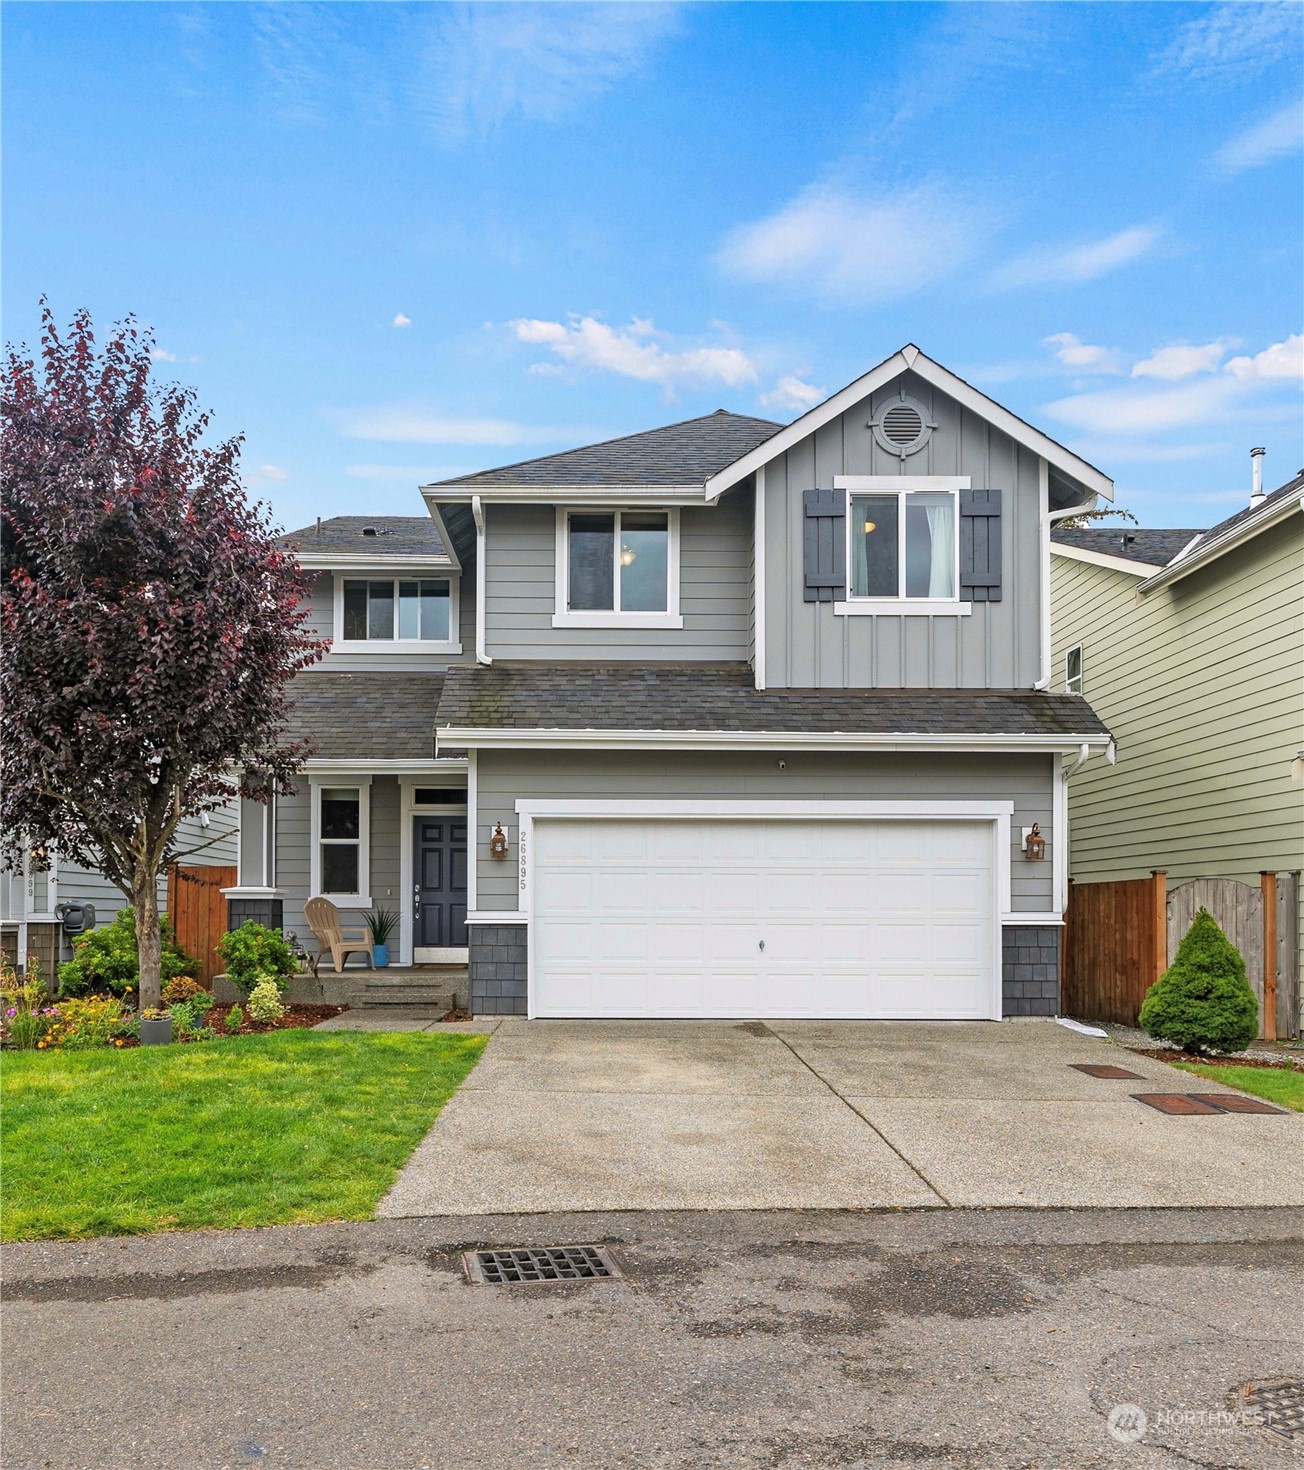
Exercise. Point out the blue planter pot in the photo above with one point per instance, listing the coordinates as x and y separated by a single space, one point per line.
380 956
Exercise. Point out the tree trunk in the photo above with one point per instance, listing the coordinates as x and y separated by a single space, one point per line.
149 943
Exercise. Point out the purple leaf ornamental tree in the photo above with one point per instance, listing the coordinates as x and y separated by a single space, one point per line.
151 626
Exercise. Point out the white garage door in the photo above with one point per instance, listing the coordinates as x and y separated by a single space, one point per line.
662 917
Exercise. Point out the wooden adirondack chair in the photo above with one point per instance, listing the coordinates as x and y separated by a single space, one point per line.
324 921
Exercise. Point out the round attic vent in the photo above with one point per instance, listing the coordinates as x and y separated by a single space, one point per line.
902 426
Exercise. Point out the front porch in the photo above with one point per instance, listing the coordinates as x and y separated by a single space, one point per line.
434 987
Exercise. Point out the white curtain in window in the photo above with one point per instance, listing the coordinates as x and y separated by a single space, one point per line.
941 532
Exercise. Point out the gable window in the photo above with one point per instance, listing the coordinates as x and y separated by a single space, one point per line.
401 610
903 545
341 821
618 568
1073 670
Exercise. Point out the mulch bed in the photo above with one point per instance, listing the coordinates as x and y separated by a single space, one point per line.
1165 1055
296 1018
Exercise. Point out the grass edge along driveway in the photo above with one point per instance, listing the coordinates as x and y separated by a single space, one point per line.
288 1127
1281 1085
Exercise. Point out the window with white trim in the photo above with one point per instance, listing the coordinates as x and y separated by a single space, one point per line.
1073 670
398 611
339 840
902 544
618 566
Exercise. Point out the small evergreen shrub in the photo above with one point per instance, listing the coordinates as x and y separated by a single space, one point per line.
265 1000
105 959
1203 1002
253 953
234 1020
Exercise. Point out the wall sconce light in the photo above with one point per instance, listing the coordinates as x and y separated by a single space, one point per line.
870 527
498 842
1034 845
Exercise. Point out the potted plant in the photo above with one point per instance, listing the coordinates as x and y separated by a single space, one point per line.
382 925
155 1028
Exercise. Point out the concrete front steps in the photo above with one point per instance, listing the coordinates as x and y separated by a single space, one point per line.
432 987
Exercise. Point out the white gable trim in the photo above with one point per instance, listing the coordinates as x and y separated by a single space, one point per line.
1103 559
911 359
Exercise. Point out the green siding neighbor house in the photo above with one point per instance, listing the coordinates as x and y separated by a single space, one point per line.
1190 646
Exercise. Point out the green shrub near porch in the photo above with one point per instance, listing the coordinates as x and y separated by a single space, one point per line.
105 959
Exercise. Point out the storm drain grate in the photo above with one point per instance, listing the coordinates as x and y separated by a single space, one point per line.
1279 1406
540 1263
1188 1104
1106 1070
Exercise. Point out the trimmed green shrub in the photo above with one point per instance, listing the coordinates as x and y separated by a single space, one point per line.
234 1020
253 953
105 959
1203 1002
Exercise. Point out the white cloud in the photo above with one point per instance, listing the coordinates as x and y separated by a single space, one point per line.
792 393
1078 263
404 474
1274 138
272 472
1181 360
1119 451
633 353
1227 43
483 63
1082 356
401 321
159 354
841 247
1281 360
399 424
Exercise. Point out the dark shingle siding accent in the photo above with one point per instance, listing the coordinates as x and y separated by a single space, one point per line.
1030 969
1150 548
721 697
342 536
367 716
498 956
683 454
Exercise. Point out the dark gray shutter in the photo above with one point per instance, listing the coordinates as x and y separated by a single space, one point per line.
980 545
825 545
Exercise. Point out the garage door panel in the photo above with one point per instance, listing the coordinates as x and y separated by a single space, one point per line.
640 917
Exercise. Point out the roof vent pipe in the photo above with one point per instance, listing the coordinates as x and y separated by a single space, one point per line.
1256 459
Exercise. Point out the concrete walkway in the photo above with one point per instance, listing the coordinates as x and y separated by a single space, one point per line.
610 1115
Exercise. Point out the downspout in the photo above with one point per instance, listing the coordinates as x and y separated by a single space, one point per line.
1048 519
1084 754
477 514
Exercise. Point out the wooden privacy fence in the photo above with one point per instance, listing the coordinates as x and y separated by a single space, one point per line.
198 913
1120 937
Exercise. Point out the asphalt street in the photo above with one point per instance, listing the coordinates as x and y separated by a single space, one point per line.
786 1338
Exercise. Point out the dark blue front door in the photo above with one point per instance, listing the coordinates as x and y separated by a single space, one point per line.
440 895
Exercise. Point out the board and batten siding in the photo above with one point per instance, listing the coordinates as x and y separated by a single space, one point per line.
321 623
714 590
504 777
293 855
1202 685
997 646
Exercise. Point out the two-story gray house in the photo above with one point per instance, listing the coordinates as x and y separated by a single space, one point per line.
725 719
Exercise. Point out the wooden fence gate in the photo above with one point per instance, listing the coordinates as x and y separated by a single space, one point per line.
198 913
1120 937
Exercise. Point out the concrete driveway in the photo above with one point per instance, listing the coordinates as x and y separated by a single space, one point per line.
610 1115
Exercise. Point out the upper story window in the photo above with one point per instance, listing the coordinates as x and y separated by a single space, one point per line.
903 545
1073 670
618 568
406 611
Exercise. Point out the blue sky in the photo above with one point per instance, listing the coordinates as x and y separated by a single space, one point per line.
392 242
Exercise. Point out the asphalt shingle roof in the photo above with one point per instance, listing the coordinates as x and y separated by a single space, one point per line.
669 697
1132 543
345 535
361 717
687 453
1283 492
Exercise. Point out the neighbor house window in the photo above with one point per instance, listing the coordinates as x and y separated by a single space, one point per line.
1073 670
619 562
903 545
385 610
340 839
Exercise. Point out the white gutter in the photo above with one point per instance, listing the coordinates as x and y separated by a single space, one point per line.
494 737
1084 754
1211 546
477 513
1048 519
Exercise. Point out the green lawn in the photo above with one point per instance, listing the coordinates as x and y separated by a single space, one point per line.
284 1127
1281 1085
